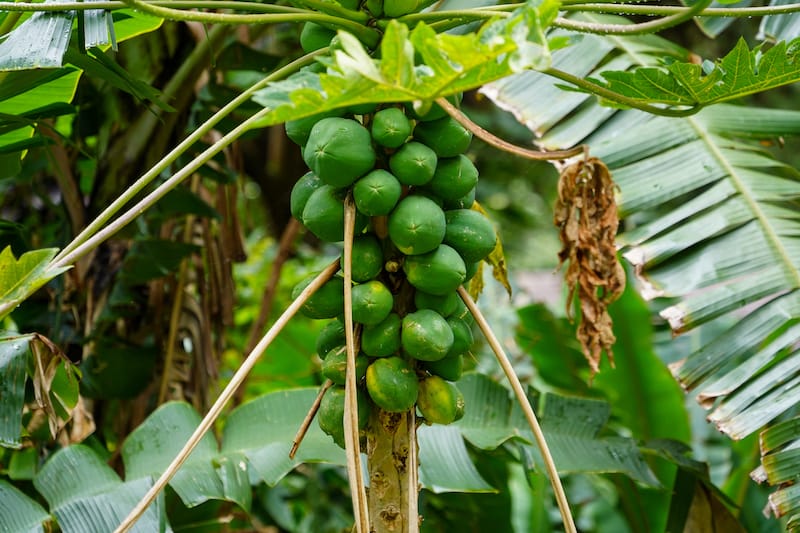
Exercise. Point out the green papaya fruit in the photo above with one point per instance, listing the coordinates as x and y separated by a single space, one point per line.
299 130
301 192
372 302
426 336
465 202
377 193
392 384
439 402
323 214
438 272
314 37
398 8
326 302
450 368
330 337
416 225
454 178
334 366
470 233
330 416
413 164
390 127
445 136
367 258
382 339
339 151
462 337
444 304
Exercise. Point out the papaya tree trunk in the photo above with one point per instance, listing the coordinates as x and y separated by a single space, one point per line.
392 466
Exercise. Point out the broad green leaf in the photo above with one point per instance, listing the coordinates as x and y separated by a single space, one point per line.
19 278
444 464
98 28
740 73
153 445
86 495
784 27
448 64
262 430
14 351
18 512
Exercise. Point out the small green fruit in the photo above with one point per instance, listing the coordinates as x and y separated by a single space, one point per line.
339 151
367 258
449 368
330 337
382 339
426 336
416 225
440 402
444 136
377 193
413 164
470 233
299 130
454 178
462 337
445 305
438 272
327 302
314 37
323 214
334 366
301 192
392 384
390 127
372 302
331 413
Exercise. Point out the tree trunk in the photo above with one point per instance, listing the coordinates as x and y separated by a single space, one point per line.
392 465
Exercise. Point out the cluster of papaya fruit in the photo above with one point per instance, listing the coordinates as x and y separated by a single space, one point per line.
416 241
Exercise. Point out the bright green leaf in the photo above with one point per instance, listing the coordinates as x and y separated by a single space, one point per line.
21 278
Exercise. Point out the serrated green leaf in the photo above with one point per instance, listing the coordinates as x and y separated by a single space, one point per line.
14 351
21 278
86 495
18 512
448 64
740 73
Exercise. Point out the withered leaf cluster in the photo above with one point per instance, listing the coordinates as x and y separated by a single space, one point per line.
586 215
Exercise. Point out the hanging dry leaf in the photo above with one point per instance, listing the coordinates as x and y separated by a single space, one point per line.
496 258
586 214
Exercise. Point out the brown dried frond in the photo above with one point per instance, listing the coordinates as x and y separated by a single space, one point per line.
586 214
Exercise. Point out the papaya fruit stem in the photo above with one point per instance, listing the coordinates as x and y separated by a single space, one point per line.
312 412
358 491
227 393
522 398
497 142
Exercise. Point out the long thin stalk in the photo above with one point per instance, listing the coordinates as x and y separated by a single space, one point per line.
522 398
215 410
131 192
358 491
651 26
312 412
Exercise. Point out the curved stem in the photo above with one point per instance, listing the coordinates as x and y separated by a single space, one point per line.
366 35
227 393
608 94
497 142
652 26
67 256
234 5
653 10
522 398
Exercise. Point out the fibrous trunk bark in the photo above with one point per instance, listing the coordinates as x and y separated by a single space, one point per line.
392 465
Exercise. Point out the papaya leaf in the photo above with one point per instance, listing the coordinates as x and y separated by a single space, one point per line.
39 42
14 352
741 72
85 494
448 64
21 278
18 512
444 463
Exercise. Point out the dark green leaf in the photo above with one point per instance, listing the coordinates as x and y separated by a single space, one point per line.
154 258
14 351
19 513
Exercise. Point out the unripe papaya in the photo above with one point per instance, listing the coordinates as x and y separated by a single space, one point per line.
416 225
470 233
454 178
438 272
367 258
449 368
377 193
330 337
392 384
444 136
390 127
299 130
372 302
301 192
334 366
330 416
382 339
323 214
426 336
314 37
413 164
445 304
439 402
326 302
339 151
465 202
462 337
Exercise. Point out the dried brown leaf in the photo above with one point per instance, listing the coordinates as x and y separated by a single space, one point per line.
586 215
497 259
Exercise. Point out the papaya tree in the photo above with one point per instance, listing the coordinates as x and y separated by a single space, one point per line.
124 302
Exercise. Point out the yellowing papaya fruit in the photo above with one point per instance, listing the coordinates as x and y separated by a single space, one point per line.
392 384
439 402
